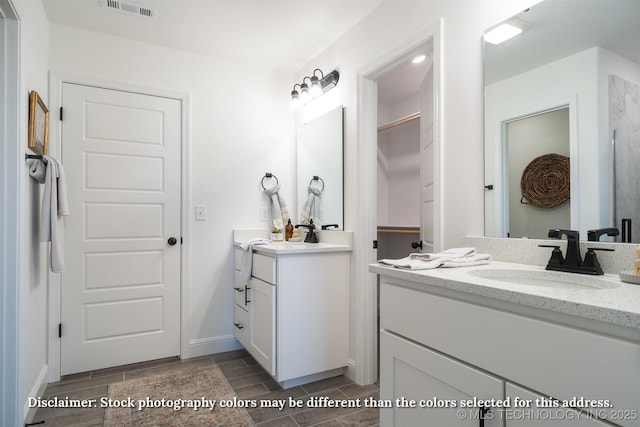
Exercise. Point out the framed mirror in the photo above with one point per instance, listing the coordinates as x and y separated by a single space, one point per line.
568 84
320 168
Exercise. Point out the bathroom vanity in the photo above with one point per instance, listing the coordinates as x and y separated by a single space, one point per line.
508 335
292 315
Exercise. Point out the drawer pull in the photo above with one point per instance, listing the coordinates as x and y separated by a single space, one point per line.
246 295
239 289
239 326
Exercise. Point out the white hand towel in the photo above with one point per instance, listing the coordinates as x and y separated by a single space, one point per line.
247 256
456 257
311 208
412 263
449 253
54 206
279 211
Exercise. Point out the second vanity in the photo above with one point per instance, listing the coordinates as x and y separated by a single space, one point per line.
292 315
508 334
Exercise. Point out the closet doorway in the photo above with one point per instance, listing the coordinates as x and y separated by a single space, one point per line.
404 219
428 42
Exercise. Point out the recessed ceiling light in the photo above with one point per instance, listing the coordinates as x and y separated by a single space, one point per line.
418 59
504 31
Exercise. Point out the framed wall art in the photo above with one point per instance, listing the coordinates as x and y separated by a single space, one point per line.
38 124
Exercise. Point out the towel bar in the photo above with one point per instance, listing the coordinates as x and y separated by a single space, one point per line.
268 175
317 178
28 156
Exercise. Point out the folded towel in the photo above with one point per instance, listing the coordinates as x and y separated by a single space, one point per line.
279 211
247 256
54 206
449 253
457 257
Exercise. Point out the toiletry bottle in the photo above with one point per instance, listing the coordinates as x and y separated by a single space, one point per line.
288 230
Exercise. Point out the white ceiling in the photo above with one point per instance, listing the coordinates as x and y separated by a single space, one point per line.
561 28
279 34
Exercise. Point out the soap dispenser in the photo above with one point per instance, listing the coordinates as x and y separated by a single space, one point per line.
288 230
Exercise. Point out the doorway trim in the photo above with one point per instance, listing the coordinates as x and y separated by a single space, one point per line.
10 247
366 200
56 82
497 138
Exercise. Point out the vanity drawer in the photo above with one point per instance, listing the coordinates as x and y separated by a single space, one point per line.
241 325
238 258
264 268
239 291
551 358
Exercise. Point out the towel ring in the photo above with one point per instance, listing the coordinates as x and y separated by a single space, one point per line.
268 175
317 178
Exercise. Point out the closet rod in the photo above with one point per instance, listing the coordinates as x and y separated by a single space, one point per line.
398 231
399 122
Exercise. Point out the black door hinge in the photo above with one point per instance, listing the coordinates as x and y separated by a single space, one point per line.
59 330
375 244
60 113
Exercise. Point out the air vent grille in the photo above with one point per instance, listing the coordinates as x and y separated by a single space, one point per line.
125 6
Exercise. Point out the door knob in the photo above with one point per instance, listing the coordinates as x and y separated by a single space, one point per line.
416 245
172 241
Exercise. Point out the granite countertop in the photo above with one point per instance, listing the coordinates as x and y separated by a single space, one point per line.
616 302
330 241
282 248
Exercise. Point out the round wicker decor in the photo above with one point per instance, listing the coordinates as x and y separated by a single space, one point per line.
545 181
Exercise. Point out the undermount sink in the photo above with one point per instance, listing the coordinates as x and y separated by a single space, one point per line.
544 278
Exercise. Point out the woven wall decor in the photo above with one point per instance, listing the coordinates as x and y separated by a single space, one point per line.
545 181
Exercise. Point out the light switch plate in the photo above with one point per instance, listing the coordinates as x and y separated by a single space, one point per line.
201 213
263 214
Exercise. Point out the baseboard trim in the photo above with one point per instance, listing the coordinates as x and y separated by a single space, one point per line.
36 391
204 346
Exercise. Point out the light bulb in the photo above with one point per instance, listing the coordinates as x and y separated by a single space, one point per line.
295 99
304 93
316 87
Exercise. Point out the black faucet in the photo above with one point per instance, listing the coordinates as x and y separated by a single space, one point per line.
572 258
311 234
594 235
572 263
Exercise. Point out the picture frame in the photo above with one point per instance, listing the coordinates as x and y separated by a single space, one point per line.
38 139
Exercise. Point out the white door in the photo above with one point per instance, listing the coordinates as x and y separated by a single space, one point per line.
120 291
427 167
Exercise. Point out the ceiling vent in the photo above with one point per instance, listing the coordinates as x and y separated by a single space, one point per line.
125 6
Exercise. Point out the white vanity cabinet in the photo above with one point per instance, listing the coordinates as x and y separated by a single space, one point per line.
434 384
440 343
292 316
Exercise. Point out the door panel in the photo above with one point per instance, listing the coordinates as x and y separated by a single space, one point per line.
121 287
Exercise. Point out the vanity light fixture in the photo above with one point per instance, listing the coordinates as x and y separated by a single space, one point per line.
319 83
505 31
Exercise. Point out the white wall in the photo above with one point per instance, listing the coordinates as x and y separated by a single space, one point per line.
33 273
239 128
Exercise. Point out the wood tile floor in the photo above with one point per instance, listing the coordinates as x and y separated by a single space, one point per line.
246 377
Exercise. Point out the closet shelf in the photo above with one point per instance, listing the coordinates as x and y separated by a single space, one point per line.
398 230
399 122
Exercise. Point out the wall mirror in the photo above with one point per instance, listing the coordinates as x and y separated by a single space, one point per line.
569 84
320 155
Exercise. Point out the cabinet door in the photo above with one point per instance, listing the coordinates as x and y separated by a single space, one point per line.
415 373
262 323
534 415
